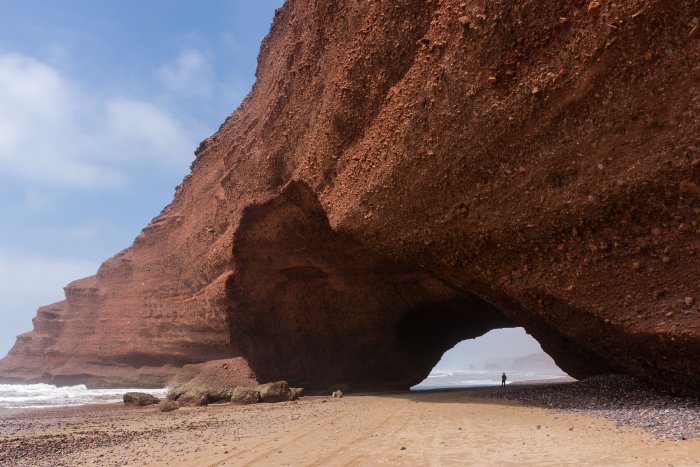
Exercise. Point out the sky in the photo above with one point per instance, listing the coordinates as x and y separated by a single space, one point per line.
497 345
102 104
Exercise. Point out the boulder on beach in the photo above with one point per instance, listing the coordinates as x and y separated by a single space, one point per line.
195 398
278 391
140 399
168 406
210 382
245 395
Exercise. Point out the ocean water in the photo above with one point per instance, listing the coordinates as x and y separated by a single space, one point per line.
445 379
26 396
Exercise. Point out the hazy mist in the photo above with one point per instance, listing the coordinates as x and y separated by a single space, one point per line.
500 347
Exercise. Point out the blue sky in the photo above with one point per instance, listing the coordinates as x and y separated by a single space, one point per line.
102 104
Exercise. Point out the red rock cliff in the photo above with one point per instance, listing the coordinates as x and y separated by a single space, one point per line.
408 174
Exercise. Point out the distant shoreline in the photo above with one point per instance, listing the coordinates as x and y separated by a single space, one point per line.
529 382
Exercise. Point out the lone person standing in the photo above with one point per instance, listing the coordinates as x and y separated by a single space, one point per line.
503 380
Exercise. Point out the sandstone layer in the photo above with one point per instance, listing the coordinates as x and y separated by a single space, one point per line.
408 174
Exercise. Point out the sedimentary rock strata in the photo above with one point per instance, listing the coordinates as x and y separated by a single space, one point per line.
408 174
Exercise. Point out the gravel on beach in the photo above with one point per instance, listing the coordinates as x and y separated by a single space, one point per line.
623 399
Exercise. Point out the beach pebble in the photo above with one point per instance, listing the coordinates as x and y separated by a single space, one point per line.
623 399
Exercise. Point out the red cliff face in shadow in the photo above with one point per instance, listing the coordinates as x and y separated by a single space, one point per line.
405 175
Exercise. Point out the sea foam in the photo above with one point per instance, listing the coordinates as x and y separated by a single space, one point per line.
25 396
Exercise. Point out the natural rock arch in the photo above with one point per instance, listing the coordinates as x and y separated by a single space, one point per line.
313 306
397 160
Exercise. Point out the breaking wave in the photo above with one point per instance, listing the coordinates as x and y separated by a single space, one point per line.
25 396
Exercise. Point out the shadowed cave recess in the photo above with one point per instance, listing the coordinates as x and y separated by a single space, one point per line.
313 306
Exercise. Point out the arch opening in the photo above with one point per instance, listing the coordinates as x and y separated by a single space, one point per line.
317 308
480 361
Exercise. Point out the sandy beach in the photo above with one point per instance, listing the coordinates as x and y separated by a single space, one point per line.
458 427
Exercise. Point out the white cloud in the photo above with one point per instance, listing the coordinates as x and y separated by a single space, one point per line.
191 75
137 128
29 92
53 132
28 281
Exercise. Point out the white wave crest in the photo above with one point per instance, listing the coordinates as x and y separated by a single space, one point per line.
24 396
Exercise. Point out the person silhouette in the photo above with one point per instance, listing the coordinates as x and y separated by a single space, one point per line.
503 380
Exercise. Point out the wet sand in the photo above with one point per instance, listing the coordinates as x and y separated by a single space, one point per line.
457 427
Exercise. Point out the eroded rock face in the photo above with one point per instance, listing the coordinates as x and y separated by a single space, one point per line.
408 174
